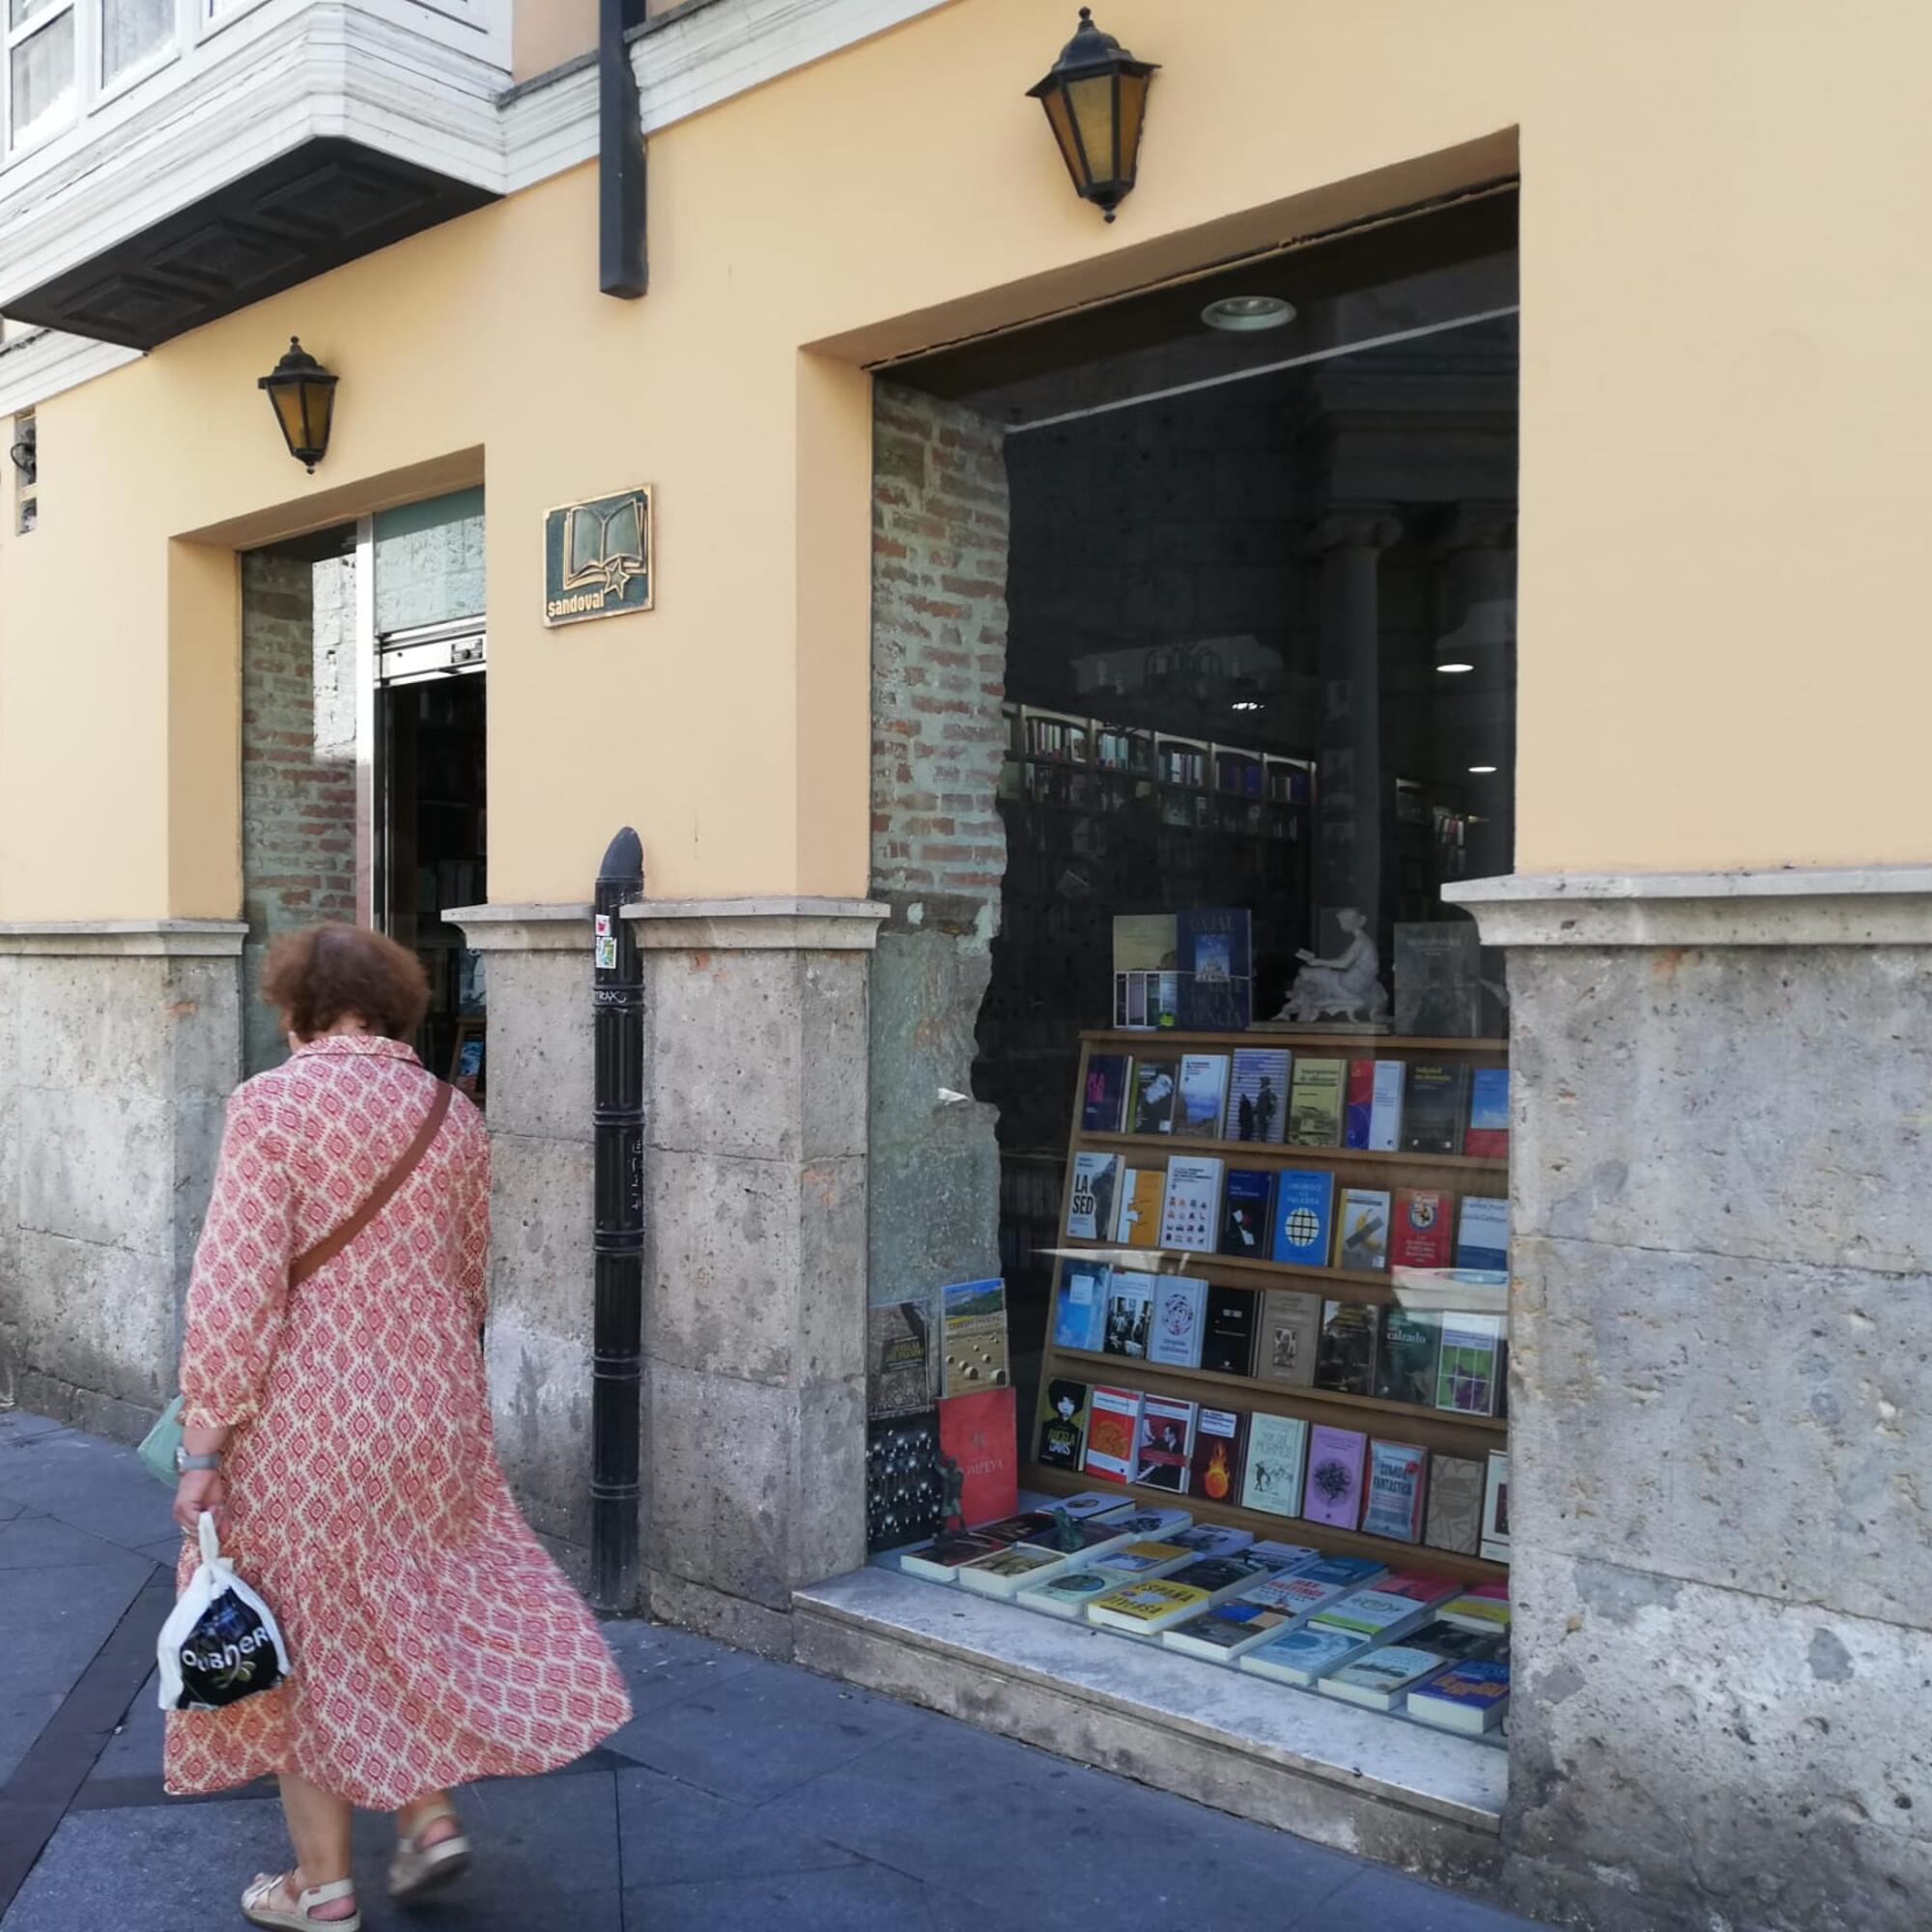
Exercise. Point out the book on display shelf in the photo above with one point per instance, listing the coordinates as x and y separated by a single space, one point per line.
1152 1098
1080 1304
1488 1137
1129 1314
1381 1615
1407 1343
1067 1594
1496 1542
1290 1339
1217 1539
1005 1572
1333 1493
1143 1560
974 1314
1453 1518
941 1561
1062 1430
977 1436
1203 1097
1483 1234
1381 1678
1344 1356
1143 1189
1087 1503
1423 1234
1484 1607
1190 1214
1113 1422
1163 1601
1468 1366
1228 1326
1277 1453
1215 954
1159 1522
1103 1106
1393 1505
1372 1114
1303 1657
1165 1443
1214 1469
1471 1697
1227 1632
1090 1208
1304 1199
1315 1102
899 1378
1247 1214
1437 980
1437 1098
1361 1244
1457 1644
1085 1540
1278 1558
1176 1334
1258 1088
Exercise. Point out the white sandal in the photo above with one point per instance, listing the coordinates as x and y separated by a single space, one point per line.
417 1868
256 1910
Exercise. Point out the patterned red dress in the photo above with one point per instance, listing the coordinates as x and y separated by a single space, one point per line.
432 1640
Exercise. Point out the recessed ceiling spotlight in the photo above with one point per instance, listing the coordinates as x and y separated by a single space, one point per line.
1244 315
1247 704
1482 771
1454 670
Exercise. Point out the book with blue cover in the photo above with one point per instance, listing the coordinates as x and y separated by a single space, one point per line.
1488 1136
1080 1305
1304 1202
1216 958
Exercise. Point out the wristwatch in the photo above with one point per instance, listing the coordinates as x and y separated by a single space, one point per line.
184 1462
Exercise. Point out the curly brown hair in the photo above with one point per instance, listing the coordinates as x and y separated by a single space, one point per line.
324 974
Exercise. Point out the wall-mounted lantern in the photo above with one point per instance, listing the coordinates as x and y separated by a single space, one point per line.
25 450
1096 101
302 394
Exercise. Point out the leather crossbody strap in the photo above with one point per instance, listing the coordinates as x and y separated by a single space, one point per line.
329 1246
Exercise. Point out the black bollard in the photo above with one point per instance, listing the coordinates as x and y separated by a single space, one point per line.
618 1001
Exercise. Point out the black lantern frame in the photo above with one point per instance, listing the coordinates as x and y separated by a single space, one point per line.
1096 101
302 394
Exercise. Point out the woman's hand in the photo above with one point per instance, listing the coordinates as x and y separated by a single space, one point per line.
197 1490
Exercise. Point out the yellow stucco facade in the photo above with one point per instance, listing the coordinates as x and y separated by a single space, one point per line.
1721 409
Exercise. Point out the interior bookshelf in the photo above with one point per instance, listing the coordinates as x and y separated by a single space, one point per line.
1439 1431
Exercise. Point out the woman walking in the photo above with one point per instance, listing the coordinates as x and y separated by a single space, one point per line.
336 1420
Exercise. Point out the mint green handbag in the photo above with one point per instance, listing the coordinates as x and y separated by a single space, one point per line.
159 1446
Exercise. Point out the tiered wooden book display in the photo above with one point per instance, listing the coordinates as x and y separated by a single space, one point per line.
1439 1431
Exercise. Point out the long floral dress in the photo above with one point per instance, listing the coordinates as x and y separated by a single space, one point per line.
432 1638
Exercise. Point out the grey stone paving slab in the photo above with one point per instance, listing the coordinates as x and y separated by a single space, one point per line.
933 1803
55 1620
93 1484
765 1730
8 1511
1385 1901
46 1543
166 1550
662 1667
674 1833
16 1425
854 1898
135 1751
178 1868
24 1715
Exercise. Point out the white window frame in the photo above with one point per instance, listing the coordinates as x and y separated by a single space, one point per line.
90 90
16 38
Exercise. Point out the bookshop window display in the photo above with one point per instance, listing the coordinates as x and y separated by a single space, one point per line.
1259 708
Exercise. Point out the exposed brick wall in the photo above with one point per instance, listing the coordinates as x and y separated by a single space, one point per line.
939 651
298 763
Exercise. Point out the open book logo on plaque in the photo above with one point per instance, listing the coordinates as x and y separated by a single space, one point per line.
597 558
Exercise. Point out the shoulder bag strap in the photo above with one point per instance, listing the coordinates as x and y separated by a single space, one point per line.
329 1246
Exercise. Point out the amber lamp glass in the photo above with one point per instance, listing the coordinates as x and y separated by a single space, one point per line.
1096 101
302 394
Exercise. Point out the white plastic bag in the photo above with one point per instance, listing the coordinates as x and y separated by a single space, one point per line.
220 1642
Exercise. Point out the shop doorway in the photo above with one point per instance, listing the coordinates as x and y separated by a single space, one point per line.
1195 675
364 735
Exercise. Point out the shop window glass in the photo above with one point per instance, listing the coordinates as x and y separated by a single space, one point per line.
41 73
429 562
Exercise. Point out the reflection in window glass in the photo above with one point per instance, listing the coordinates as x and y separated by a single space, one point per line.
41 79
23 10
130 32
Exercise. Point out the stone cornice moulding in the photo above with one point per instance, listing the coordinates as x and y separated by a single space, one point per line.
1853 905
775 924
336 70
124 938
533 927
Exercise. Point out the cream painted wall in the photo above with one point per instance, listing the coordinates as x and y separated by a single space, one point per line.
545 33
1723 413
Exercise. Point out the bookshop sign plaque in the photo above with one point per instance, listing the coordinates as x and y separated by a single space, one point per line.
597 558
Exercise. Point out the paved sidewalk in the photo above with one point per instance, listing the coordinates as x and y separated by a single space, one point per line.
744 1795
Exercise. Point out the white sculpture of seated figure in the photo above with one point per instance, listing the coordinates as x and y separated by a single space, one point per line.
1346 987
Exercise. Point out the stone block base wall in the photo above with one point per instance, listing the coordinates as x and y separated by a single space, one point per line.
754 1290
1720 1400
119 1046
